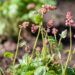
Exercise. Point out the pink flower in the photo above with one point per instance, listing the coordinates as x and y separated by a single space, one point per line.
34 12
29 55
47 6
13 44
26 24
54 31
43 6
73 25
48 30
34 28
38 48
69 20
46 42
45 10
57 62
20 26
27 48
74 36
9 72
50 23
31 6
52 7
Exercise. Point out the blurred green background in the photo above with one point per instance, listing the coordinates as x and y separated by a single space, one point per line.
13 13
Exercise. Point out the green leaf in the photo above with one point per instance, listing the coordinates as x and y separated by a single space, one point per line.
51 2
37 62
23 61
52 72
13 10
30 73
2 26
40 71
38 19
23 43
64 34
52 40
8 54
71 70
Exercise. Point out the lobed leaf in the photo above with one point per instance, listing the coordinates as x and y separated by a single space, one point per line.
63 34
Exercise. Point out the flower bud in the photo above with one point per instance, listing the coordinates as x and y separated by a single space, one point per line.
46 42
50 23
74 36
20 26
45 10
43 6
34 28
27 48
34 12
31 6
26 24
57 62
48 30
69 20
38 48
47 6
54 31
52 8
73 25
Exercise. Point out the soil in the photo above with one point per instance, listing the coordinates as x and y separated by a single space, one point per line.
10 45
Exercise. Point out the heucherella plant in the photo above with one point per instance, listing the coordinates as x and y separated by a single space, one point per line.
45 59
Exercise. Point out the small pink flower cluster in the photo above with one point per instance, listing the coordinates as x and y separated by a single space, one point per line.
54 31
46 42
38 48
27 48
69 20
31 6
49 25
48 30
74 36
34 28
26 24
48 7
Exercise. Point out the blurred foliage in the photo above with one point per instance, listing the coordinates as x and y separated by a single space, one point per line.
37 67
13 12
8 55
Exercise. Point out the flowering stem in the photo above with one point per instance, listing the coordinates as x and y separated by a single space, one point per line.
51 48
60 41
47 49
55 36
16 52
69 56
42 30
59 57
27 57
35 43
